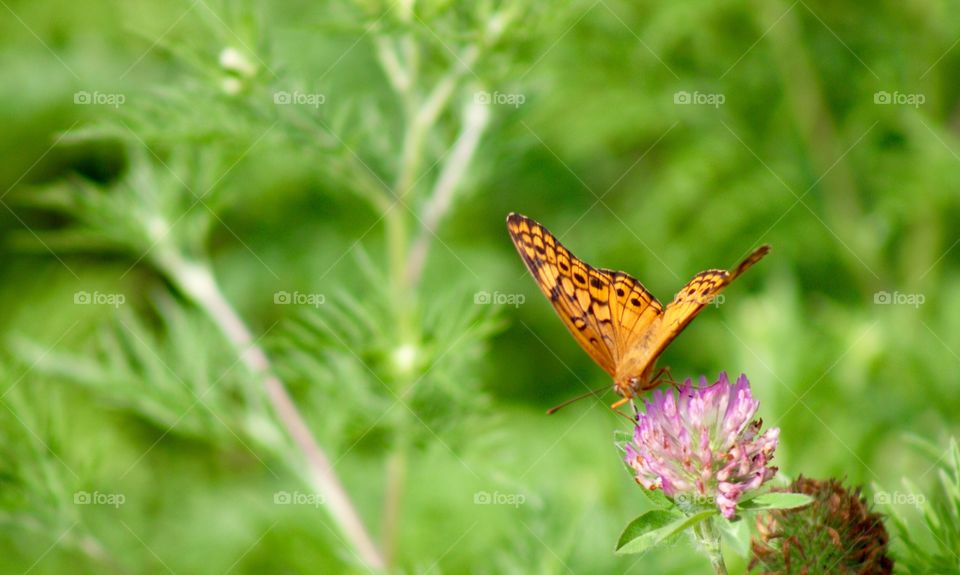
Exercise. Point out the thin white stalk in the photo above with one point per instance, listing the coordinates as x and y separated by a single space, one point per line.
196 280
396 72
476 116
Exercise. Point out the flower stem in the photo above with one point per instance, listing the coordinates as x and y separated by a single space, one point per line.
709 540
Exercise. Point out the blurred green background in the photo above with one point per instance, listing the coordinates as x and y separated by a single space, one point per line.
661 138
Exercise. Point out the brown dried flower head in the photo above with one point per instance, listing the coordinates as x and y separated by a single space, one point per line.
836 533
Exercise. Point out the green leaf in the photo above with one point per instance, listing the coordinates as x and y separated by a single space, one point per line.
657 498
775 500
655 527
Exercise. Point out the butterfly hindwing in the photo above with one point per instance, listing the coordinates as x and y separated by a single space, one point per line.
636 310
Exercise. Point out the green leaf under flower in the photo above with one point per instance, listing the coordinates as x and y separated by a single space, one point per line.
655 527
775 500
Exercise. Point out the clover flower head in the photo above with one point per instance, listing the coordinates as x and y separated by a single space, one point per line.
701 444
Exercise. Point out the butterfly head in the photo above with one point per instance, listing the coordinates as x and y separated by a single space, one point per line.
625 389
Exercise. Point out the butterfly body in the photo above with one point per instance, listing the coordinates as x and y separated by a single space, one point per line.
620 324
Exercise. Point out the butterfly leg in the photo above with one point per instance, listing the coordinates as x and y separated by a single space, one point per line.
668 378
664 375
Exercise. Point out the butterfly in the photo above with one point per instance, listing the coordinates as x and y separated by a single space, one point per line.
610 314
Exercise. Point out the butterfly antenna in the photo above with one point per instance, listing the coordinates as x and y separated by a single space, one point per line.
553 410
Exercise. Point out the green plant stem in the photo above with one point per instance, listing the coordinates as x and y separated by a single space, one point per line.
197 282
476 116
393 500
400 62
709 540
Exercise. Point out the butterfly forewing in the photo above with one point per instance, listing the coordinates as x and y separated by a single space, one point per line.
700 291
584 297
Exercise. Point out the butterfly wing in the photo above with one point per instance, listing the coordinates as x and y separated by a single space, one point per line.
689 301
636 311
609 313
600 307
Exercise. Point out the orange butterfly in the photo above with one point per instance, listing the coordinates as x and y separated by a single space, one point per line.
610 314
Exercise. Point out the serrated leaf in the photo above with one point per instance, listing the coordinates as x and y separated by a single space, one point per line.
655 527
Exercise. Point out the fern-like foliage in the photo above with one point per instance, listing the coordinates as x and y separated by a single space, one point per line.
927 523
345 357
172 369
